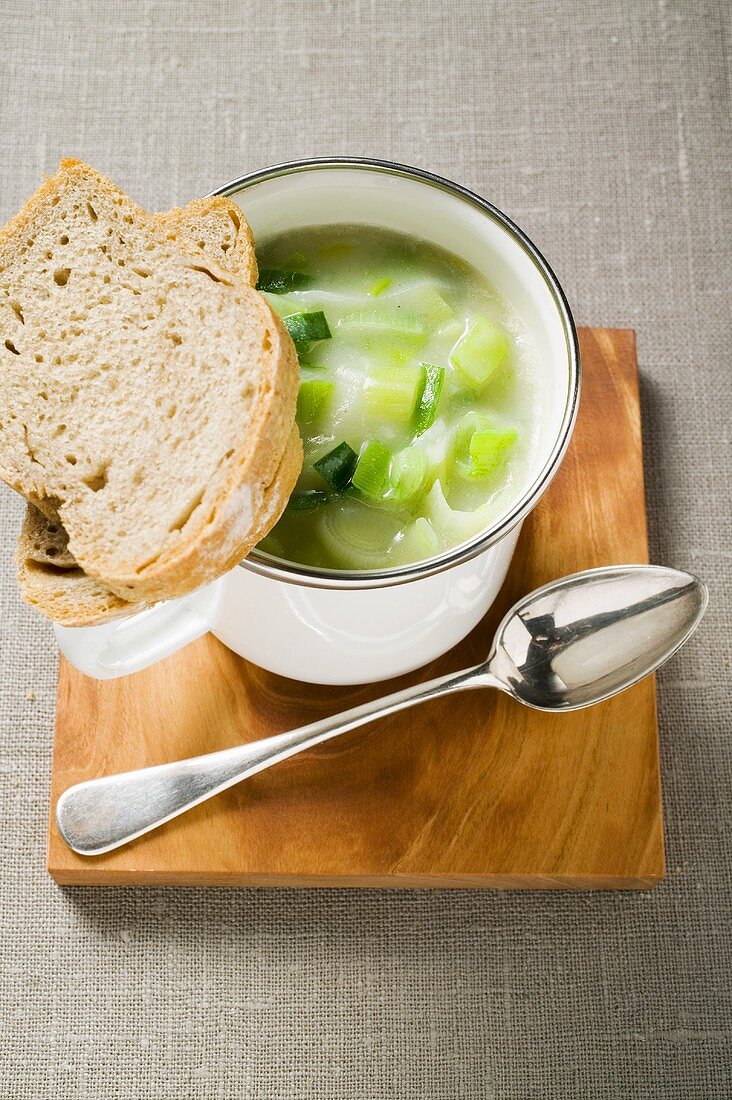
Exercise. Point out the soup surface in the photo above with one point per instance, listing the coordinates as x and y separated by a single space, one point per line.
418 397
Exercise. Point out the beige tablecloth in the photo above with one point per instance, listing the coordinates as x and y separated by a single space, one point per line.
603 129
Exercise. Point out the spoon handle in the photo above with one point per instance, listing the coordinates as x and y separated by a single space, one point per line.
102 814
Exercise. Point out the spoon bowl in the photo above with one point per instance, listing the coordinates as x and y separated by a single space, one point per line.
591 635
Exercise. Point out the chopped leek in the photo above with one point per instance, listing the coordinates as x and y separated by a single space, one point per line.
407 474
479 446
282 282
304 327
357 535
391 392
395 355
337 466
379 287
314 396
429 303
372 470
430 388
418 542
480 352
488 449
451 525
394 322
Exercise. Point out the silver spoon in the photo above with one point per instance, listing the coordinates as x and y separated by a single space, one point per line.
563 647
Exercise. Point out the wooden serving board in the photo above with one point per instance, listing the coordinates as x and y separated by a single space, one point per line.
471 790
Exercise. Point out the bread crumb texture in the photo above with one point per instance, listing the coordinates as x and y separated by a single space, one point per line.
147 391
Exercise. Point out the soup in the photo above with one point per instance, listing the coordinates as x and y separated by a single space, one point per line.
418 397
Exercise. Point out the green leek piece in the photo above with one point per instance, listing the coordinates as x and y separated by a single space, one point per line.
394 355
371 475
312 399
356 535
379 287
430 304
393 322
488 450
479 446
307 500
304 327
480 353
407 474
391 393
451 525
428 399
282 282
417 543
337 467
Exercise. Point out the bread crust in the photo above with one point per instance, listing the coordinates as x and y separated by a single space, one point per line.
208 216
55 583
217 541
58 588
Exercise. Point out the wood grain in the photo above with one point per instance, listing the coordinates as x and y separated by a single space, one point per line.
473 790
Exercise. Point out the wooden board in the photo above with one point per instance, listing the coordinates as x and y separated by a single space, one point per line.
472 790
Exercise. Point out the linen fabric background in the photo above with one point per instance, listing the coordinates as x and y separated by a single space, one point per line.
602 128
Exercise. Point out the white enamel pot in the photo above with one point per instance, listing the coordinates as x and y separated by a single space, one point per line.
346 628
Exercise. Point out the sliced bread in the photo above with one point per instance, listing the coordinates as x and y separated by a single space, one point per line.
51 580
147 393
217 227
49 576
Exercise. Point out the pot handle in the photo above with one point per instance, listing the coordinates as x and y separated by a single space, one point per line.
138 641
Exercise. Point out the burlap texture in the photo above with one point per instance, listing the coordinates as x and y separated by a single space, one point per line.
603 130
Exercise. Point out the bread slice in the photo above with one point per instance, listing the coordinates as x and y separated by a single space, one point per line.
146 392
216 227
49 576
51 580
